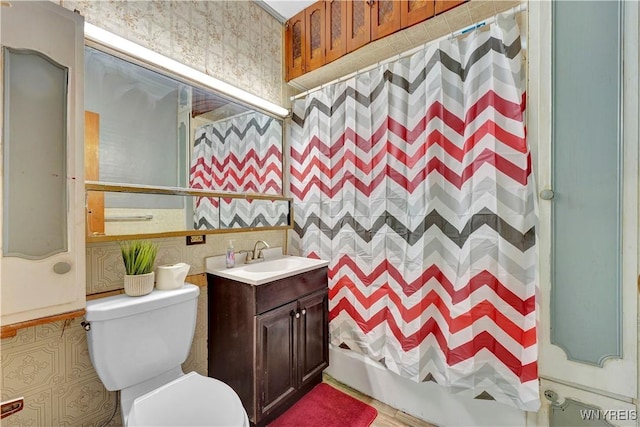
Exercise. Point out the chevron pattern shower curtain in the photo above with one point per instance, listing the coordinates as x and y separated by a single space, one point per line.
241 154
414 180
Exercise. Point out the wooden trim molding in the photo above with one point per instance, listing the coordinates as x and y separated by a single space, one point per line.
8 331
197 279
178 191
166 234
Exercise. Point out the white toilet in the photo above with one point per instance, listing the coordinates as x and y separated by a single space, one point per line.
138 344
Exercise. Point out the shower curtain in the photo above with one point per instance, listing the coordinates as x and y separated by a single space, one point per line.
241 154
414 180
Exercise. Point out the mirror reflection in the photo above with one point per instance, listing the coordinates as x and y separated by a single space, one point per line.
143 127
192 214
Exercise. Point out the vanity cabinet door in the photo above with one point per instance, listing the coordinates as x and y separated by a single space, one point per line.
313 354
277 349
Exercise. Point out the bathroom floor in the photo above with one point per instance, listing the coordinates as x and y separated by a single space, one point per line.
387 416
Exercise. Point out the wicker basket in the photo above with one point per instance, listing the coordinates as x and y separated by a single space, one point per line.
138 285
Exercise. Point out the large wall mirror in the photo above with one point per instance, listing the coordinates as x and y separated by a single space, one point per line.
144 128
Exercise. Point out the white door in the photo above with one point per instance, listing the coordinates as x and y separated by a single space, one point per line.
584 64
42 214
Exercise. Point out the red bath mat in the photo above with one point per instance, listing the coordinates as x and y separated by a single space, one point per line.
324 406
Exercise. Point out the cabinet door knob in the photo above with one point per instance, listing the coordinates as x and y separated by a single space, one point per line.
61 267
547 194
298 315
304 311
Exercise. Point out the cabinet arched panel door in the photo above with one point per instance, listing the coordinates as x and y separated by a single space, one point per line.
43 249
385 18
358 24
315 36
294 46
587 178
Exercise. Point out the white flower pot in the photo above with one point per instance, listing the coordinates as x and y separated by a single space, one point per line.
139 284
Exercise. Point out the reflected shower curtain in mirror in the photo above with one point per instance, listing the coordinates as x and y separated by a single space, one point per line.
414 180
241 154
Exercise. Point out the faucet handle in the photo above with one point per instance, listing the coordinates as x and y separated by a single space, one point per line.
249 255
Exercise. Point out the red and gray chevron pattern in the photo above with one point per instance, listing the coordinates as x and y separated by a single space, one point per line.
414 180
240 154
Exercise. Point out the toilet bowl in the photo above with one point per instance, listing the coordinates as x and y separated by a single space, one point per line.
138 344
191 400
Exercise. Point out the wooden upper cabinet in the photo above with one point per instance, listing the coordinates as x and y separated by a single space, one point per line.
294 46
335 29
414 11
358 24
443 5
314 36
330 29
385 18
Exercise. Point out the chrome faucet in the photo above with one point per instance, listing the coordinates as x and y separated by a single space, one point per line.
257 253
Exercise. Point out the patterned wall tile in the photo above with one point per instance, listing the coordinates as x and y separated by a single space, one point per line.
78 402
23 337
171 251
198 356
76 353
37 412
196 254
32 366
105 269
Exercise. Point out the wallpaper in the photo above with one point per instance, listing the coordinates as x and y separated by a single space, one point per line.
49 365
210 36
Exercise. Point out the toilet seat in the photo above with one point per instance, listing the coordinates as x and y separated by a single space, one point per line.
191 400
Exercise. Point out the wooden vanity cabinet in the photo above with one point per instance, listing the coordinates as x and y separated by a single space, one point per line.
269 342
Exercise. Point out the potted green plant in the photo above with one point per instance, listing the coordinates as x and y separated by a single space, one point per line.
139 257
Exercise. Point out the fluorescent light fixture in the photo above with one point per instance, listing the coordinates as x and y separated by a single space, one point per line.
118 43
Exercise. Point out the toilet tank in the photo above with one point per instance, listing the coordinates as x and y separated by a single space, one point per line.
134 339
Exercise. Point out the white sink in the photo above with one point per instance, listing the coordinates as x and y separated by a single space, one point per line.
276 265
263 272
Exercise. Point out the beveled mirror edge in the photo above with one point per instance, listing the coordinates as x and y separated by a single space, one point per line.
112 187
116 237
179 191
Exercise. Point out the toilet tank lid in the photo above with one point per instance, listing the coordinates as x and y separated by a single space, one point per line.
123 305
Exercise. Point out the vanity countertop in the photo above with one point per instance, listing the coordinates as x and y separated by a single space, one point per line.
276 266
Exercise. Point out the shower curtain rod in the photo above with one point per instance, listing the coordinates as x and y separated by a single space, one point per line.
517 9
